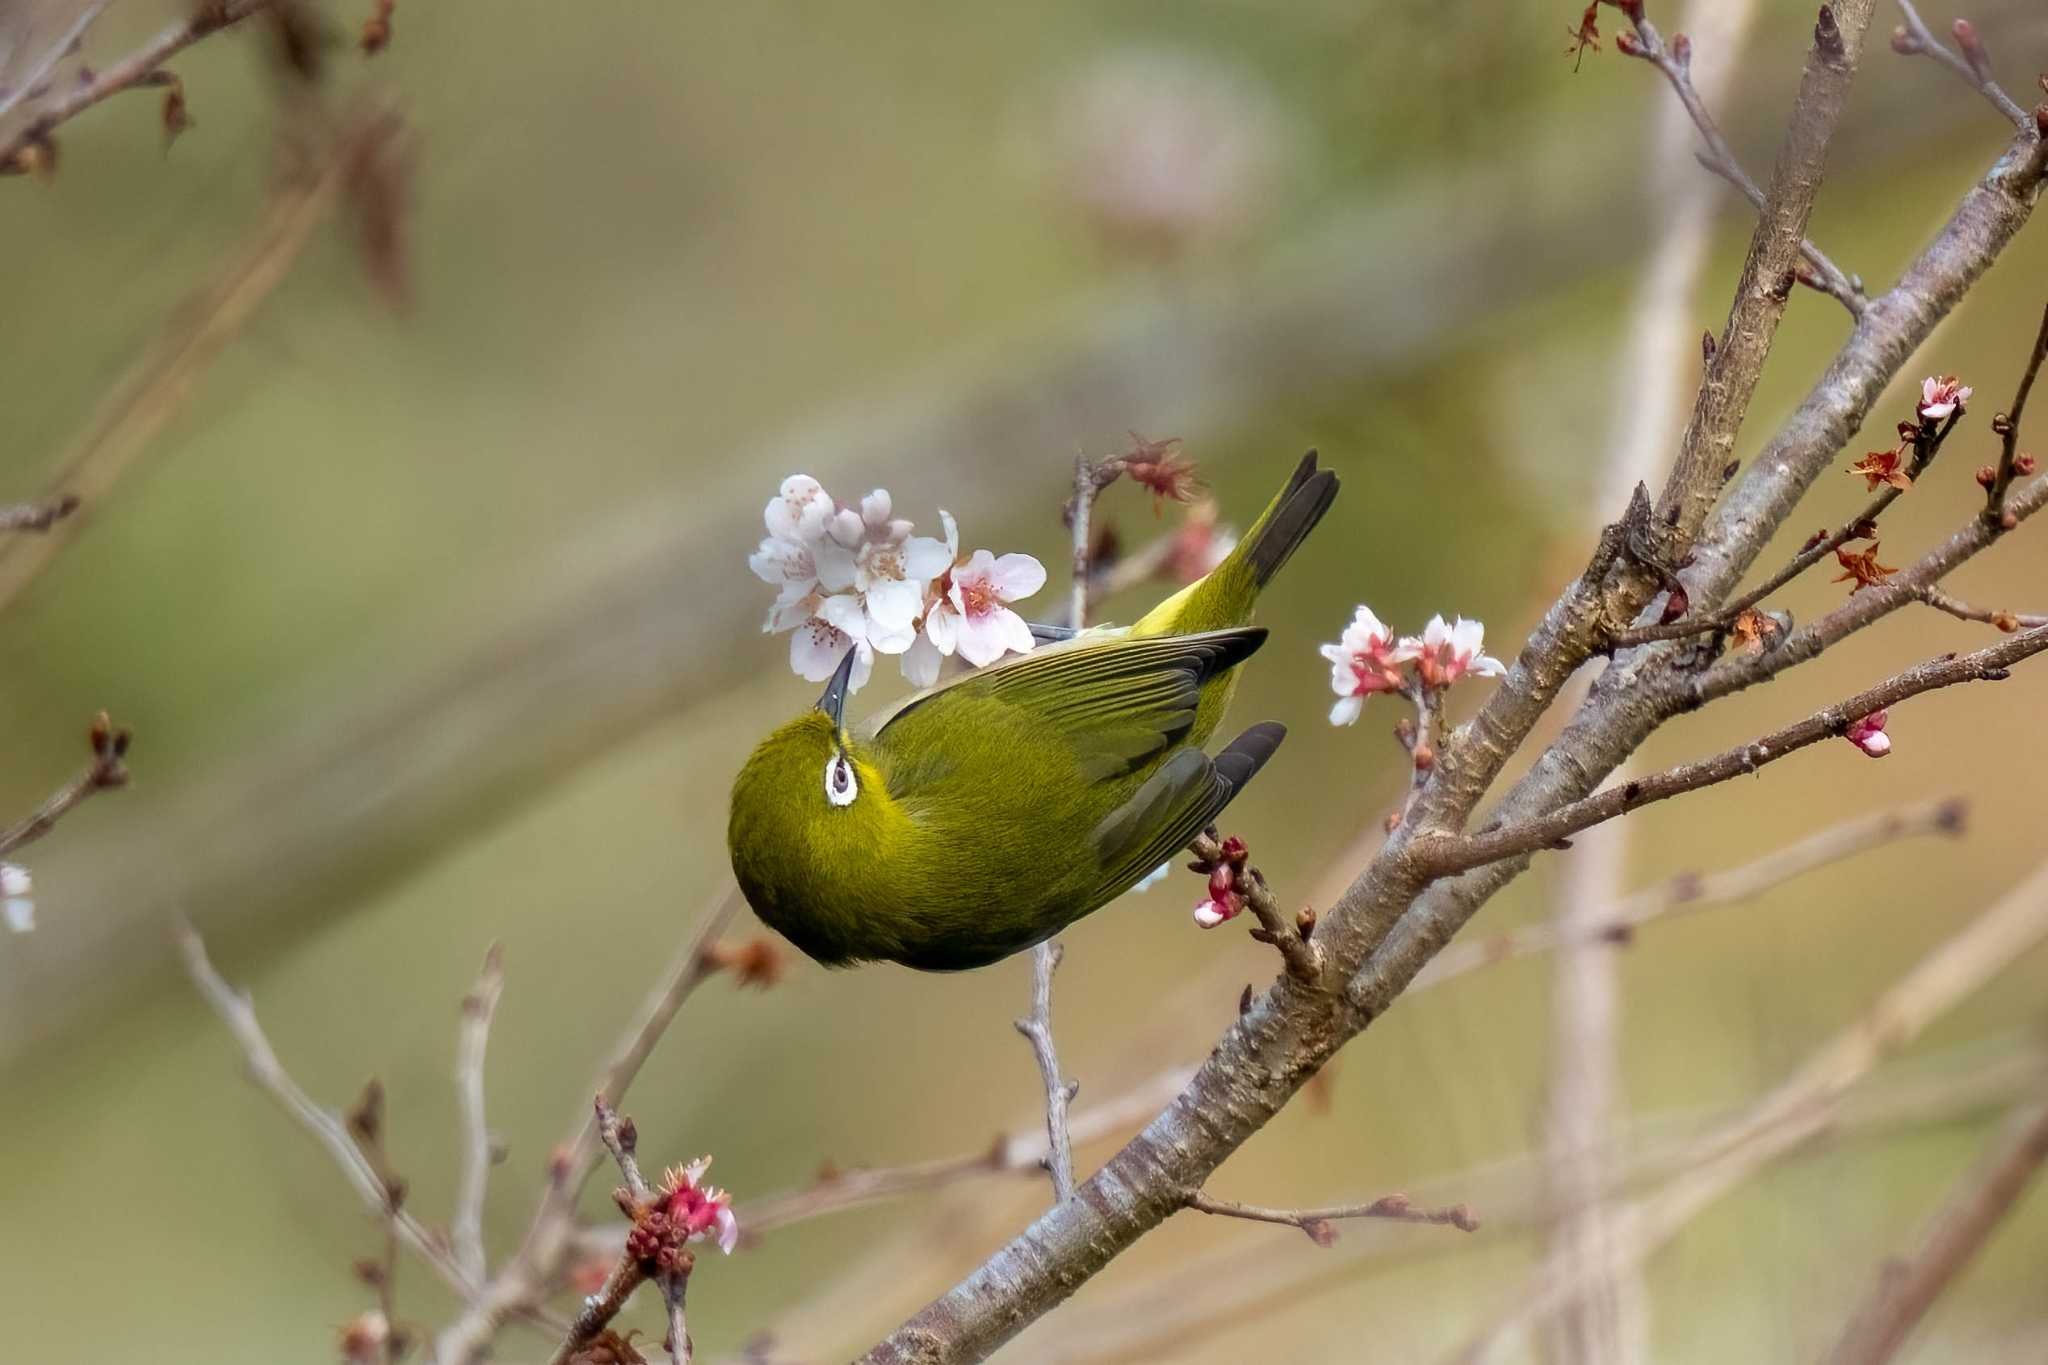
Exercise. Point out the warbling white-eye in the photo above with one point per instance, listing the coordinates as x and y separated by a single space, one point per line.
986 814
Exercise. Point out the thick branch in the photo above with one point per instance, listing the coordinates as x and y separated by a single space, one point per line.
1979 1202
1675 62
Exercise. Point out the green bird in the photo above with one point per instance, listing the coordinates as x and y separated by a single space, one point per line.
986 814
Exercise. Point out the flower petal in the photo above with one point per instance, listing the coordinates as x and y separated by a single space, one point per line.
1346 711
1017 577
942 627
816 649
893 605
846 613
922 661
925 559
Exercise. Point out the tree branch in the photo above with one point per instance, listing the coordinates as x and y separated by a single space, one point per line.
325 1126
1316 1222
2007 424
466 1227
1037 1030
1913 39
1449 855
1979 1202
1675 63
37 516
1802 1106
138 68
106 771
1689 892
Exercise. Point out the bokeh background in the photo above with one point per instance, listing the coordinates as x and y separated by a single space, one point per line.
429 608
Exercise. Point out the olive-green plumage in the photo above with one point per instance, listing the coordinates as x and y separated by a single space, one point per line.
986 814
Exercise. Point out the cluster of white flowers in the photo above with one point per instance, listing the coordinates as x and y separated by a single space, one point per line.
856 578
15 906
1369 659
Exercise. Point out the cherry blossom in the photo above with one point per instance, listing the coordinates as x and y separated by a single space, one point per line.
1215 911
1942 395
694 1209
1868 735
857 578
974 618
1364 660
1446 653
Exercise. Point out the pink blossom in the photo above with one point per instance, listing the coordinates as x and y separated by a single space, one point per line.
1940 396
974 618
1868 735
1446 653
1218 910
1363 662
694 1208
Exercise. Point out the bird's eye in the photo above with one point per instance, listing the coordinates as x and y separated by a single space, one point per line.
841 786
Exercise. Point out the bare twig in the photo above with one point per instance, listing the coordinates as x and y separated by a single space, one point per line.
2008 427
155 388
35 82
138 68
1451 854
325 1126
1913 39
1926 446
1963 611
1316 1222
466 1227
1059 1093
1906 1287
1690 892
107 770
1803 1105
1675 63
37 516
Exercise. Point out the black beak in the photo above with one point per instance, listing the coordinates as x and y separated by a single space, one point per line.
833 703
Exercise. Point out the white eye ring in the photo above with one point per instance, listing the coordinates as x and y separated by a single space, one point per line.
841 786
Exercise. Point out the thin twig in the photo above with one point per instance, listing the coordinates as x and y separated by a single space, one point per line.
35 82
1059 1092
1675 62
1963 611
1801 1106
1316 1222
138 68
466 1227
325 1126
1294 937
1914 39
1926 446
107 770
2008 426
1978 1203
1690 892
1449 854
38 516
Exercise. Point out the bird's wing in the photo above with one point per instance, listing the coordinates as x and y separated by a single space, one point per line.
1114 701
1179 800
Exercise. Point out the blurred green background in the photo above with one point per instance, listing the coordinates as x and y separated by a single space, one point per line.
435 629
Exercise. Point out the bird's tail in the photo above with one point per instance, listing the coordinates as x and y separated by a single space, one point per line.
1224 597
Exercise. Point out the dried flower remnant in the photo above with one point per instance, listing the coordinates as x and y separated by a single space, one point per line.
376 35
1751 630
1881 468
1587 35
686 1210
364 1338
1868 734
1161 468
1862 568
759 962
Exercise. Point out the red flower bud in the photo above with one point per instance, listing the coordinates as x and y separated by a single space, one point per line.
1986 475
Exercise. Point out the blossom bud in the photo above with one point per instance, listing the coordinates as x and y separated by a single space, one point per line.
1625 43
2023 464
1986 475
1681 50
